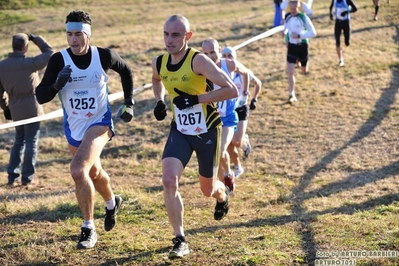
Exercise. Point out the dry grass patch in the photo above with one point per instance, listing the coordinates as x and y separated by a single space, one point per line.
322 175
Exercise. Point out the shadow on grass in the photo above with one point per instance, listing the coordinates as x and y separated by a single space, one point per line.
141 256
61 212
381 108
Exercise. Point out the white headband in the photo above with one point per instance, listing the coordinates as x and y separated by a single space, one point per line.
79 26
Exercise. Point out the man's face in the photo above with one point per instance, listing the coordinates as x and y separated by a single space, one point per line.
175 36
211 50
78 42
227 55
294 7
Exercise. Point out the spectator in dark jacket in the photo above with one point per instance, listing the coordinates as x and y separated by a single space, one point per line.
18 79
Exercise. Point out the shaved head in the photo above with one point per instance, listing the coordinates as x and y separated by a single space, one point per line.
176 34
211 48
212 41
181 20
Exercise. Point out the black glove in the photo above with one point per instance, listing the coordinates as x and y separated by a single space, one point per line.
7 114
160 110
63 77
184 100
31 37
344 13
331 16
125 112
252 106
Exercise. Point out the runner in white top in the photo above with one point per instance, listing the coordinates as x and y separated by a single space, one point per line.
212 49
240 138
78 76
298 28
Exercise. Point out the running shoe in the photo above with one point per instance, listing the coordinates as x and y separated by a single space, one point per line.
222 208
238 170
110 215
88 238
292 99
180 248
247 145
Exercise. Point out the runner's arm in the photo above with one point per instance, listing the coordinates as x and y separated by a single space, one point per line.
350 3
257 84
202 65
121 67
157 85
311 33
243 71
45 91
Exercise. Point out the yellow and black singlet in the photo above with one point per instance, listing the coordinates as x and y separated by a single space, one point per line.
182 77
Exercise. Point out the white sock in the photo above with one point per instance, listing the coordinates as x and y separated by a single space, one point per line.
88 224
111 203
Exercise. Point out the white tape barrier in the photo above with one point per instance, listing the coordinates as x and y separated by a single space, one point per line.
59 112
266 33
260 36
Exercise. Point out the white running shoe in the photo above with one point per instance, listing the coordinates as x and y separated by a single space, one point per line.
247 145
341 63
292 99
238 170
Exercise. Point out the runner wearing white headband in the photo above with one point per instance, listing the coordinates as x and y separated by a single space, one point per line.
78 75
79 26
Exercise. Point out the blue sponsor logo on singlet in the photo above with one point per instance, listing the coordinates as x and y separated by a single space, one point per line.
80 93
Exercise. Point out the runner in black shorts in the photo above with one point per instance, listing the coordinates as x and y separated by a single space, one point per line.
205 146
342 9
298 52
184 73
298 28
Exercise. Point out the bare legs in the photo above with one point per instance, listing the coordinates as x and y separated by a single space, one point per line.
87 172
171 173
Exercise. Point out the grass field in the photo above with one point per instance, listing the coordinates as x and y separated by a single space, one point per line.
322 175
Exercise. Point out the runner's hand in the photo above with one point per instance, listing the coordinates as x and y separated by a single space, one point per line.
63 77
160 110
184 100
125 112
252 105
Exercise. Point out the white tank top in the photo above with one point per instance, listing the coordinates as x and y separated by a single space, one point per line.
85 97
